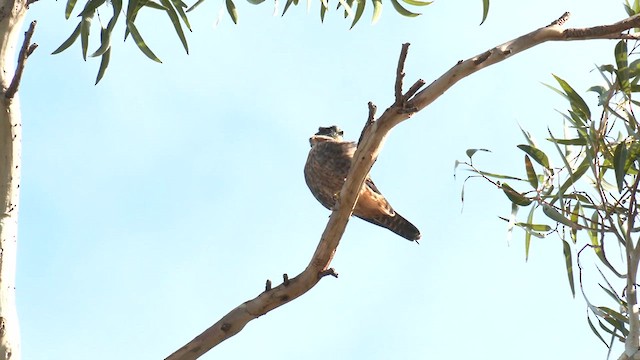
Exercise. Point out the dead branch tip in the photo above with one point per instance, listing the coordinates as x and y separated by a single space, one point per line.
370 120
285 279
414 89
561 20
267 286
26 50
328 272
400 72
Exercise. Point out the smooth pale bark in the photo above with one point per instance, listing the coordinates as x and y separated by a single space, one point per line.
12 14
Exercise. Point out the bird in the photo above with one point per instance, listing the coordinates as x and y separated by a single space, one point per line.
325 172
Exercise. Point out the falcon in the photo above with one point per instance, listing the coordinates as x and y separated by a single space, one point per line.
326 170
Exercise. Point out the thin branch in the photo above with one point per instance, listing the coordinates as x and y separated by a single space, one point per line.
328 272
26 50
414 89
551 32
367 151
370 120
400 73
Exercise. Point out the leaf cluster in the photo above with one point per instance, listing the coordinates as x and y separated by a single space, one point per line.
593 189
177 10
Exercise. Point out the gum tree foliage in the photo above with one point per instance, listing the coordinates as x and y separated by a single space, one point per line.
587 197
177 10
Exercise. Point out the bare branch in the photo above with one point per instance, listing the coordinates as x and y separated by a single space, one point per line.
414 89
370 120
26 50
552 32
400 72
328 272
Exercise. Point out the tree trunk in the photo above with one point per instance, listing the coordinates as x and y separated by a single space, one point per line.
12 14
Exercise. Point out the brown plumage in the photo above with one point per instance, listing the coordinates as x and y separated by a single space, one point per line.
326 169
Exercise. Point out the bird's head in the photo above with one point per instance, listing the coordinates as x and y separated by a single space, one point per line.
331 133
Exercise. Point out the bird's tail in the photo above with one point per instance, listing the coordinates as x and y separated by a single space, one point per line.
398 225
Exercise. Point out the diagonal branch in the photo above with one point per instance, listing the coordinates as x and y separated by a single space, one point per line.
26 50
369 147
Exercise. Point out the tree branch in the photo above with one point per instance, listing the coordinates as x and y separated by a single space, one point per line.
26 50
369 146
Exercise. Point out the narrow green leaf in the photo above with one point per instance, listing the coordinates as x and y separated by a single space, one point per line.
471 152
85 28
628 8
573 177
592 231
578 141
359 11
179 6
69 8
613 295
531 172
103 65
348 4
286 6
201 1
91 7
255 2
105 38
566 248
140 42
527 236
401 10
155 5
417 2
377 10
323 11
515 196
70 40
233 12
577 102
619 160
555 215
634 68
538 155
612 332
574 219
615 315
496 176
117 8
485 10
623 68
173 16
593 328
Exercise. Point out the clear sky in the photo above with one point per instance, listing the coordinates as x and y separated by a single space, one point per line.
157 201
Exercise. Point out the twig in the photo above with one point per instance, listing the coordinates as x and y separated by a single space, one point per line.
370 120
29 2
414 89
285 279
328 272
26 50
372 112
400 73
561 20
267 285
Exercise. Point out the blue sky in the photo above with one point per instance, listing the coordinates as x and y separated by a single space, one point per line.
157 201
